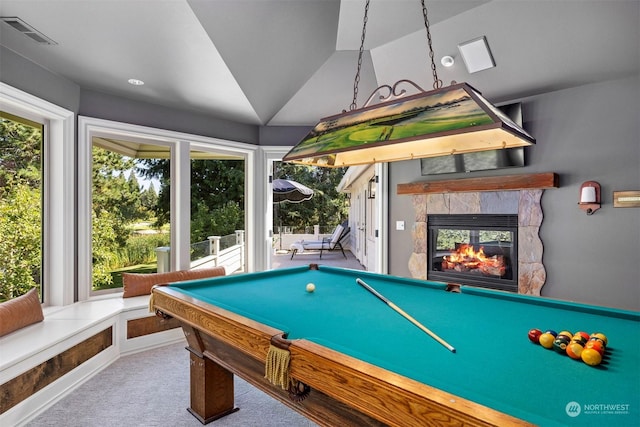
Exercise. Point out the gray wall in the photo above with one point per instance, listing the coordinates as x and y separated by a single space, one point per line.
586 133
109 107
35 80
283 135
28 77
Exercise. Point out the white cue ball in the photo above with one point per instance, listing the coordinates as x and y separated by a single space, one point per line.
311 287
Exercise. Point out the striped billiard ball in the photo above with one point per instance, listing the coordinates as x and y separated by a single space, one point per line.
560 344
574 350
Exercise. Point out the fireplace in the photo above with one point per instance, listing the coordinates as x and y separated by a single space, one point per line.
474 249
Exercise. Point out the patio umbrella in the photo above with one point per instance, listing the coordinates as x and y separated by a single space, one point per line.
286 190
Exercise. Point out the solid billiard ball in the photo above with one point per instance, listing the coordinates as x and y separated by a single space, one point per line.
534 335
311 287
552 332
591 357
574 350
546 340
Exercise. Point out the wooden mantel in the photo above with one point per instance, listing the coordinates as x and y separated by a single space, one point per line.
492 183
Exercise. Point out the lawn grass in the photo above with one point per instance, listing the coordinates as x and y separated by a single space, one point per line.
116 275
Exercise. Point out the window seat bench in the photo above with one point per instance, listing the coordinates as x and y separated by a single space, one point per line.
42 362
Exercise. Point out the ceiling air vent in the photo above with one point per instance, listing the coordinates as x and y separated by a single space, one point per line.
27 30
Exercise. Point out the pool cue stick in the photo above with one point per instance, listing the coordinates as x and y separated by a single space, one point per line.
405 315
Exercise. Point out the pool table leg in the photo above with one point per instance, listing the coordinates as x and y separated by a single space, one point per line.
211 389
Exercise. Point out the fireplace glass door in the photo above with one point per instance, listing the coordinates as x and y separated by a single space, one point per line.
477 250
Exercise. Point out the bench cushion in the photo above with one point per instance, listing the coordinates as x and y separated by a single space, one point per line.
136 284
20 312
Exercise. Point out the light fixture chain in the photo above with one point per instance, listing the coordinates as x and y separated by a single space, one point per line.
356 80
437 83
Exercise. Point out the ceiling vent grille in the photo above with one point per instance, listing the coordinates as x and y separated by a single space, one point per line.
27 30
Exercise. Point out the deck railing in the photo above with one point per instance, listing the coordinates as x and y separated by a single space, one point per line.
224 251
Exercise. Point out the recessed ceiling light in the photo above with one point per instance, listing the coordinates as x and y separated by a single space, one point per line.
135 82
447 61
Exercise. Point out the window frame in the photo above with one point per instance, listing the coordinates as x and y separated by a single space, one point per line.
58 225
180 145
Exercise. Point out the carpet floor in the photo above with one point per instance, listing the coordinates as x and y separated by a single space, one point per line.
150 389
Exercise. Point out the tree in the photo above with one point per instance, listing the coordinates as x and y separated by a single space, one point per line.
217 195
20 153
117 204
20 207
20 255
327 207
114 193
158 169
149 199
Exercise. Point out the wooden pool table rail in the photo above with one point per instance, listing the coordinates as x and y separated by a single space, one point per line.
344 390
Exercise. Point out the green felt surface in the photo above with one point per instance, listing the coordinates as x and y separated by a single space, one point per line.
495 364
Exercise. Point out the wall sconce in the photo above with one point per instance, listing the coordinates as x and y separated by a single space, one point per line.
347 200
372 187
589 197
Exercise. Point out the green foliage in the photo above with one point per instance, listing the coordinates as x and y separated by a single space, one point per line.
218 221
112 191
20 252
141 249
104 241
217 195
118 202
109 255
327 207
20 153
149 199
20 207
217 182
158 169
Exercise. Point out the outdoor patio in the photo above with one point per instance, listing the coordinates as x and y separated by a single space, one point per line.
282 259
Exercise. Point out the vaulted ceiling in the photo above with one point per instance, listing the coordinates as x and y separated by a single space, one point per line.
291 62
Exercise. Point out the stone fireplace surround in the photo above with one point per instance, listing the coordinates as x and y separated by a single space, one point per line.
492 197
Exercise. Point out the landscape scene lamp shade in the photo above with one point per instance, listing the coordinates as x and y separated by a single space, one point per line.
451 120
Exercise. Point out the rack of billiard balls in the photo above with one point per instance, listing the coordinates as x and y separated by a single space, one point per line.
580 346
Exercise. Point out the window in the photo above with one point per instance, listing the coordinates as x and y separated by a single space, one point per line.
217 211
134 148
55 208
127 228
21 143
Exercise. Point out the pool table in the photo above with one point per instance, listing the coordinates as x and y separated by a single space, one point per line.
353 360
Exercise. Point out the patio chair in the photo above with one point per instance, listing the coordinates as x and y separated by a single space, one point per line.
326 244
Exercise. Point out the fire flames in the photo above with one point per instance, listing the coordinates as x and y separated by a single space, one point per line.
467 260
